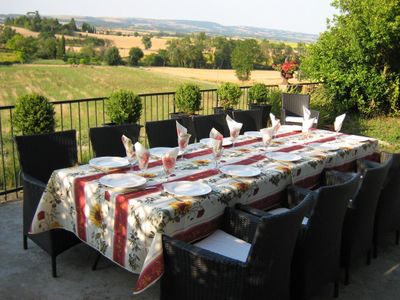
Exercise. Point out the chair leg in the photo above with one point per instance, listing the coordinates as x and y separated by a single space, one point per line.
375 250
336 289
369 257
94 267
54 266
25 242
347 275
397 236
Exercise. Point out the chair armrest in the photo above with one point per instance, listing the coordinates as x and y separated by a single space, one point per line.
295 195
33 191
240 224
251 210
336 177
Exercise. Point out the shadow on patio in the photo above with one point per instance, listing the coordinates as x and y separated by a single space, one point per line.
27 274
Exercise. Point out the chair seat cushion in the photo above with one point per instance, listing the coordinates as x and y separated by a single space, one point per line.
225 244
291 119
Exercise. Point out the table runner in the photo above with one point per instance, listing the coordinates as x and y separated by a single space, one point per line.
127 227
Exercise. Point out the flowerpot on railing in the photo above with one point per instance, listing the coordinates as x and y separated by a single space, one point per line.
187 121
265 110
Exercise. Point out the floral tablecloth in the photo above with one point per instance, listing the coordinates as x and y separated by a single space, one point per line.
127 227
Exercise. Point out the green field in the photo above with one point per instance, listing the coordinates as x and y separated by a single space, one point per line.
66 82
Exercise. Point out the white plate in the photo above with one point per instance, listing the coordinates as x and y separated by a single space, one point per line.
240 170
122 181
358 138
159 151
187 188
290 128
324 146
255 134
108 162
283 156
226 141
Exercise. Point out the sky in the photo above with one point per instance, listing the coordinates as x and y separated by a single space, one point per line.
307 16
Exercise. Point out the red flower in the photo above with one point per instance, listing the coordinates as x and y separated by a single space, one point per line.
40 215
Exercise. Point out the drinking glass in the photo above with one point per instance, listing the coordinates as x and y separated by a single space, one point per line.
131 156
168 165
143 160
234 133
217 150
183 141
266 140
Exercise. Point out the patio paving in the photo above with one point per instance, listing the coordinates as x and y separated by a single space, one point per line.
26 274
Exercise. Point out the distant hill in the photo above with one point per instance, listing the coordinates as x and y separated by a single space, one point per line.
188 26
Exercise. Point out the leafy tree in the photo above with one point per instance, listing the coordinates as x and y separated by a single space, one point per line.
136 34
358 57
229 95
188 98
86 27
146 40
112 57
6 33
135 54
61 48
223 51
154 60
47 48
245 54
27 46
72 25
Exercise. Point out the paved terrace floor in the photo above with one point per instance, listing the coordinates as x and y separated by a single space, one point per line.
25 274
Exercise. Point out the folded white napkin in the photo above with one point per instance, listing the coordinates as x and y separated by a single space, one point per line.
216 139
183 136
173 153
215 134
234 127
307 125
339 122
142 154
276 126
130 153
306 113
267 134
274 120
181 130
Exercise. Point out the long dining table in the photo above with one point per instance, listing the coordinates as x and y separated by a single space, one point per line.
127 226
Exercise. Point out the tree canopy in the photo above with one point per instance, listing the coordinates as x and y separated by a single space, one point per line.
358 57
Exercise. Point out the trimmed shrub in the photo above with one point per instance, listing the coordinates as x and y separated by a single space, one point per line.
124 106
259 93
34 114
229 95
188 98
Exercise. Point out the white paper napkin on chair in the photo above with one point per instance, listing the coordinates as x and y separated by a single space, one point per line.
339 122
307 125
234 127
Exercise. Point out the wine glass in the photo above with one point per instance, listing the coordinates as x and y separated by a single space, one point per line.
183 141
131 156
266 140
234 133
168 165
143 160
217 150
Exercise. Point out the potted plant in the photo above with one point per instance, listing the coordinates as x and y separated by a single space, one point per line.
187 102
124 107
287 70
228 97
34 114
258 96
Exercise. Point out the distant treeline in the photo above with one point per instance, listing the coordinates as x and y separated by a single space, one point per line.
33 21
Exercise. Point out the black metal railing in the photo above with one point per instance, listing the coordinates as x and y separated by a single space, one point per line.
83 114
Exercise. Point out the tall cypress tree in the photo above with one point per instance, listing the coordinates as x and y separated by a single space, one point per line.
61 48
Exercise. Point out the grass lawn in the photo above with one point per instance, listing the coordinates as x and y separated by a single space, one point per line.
59 82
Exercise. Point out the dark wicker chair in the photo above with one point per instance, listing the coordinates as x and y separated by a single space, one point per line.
162 133
204 124
251 119
39 156
292 108
193 273
358 227
106 141
387 217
